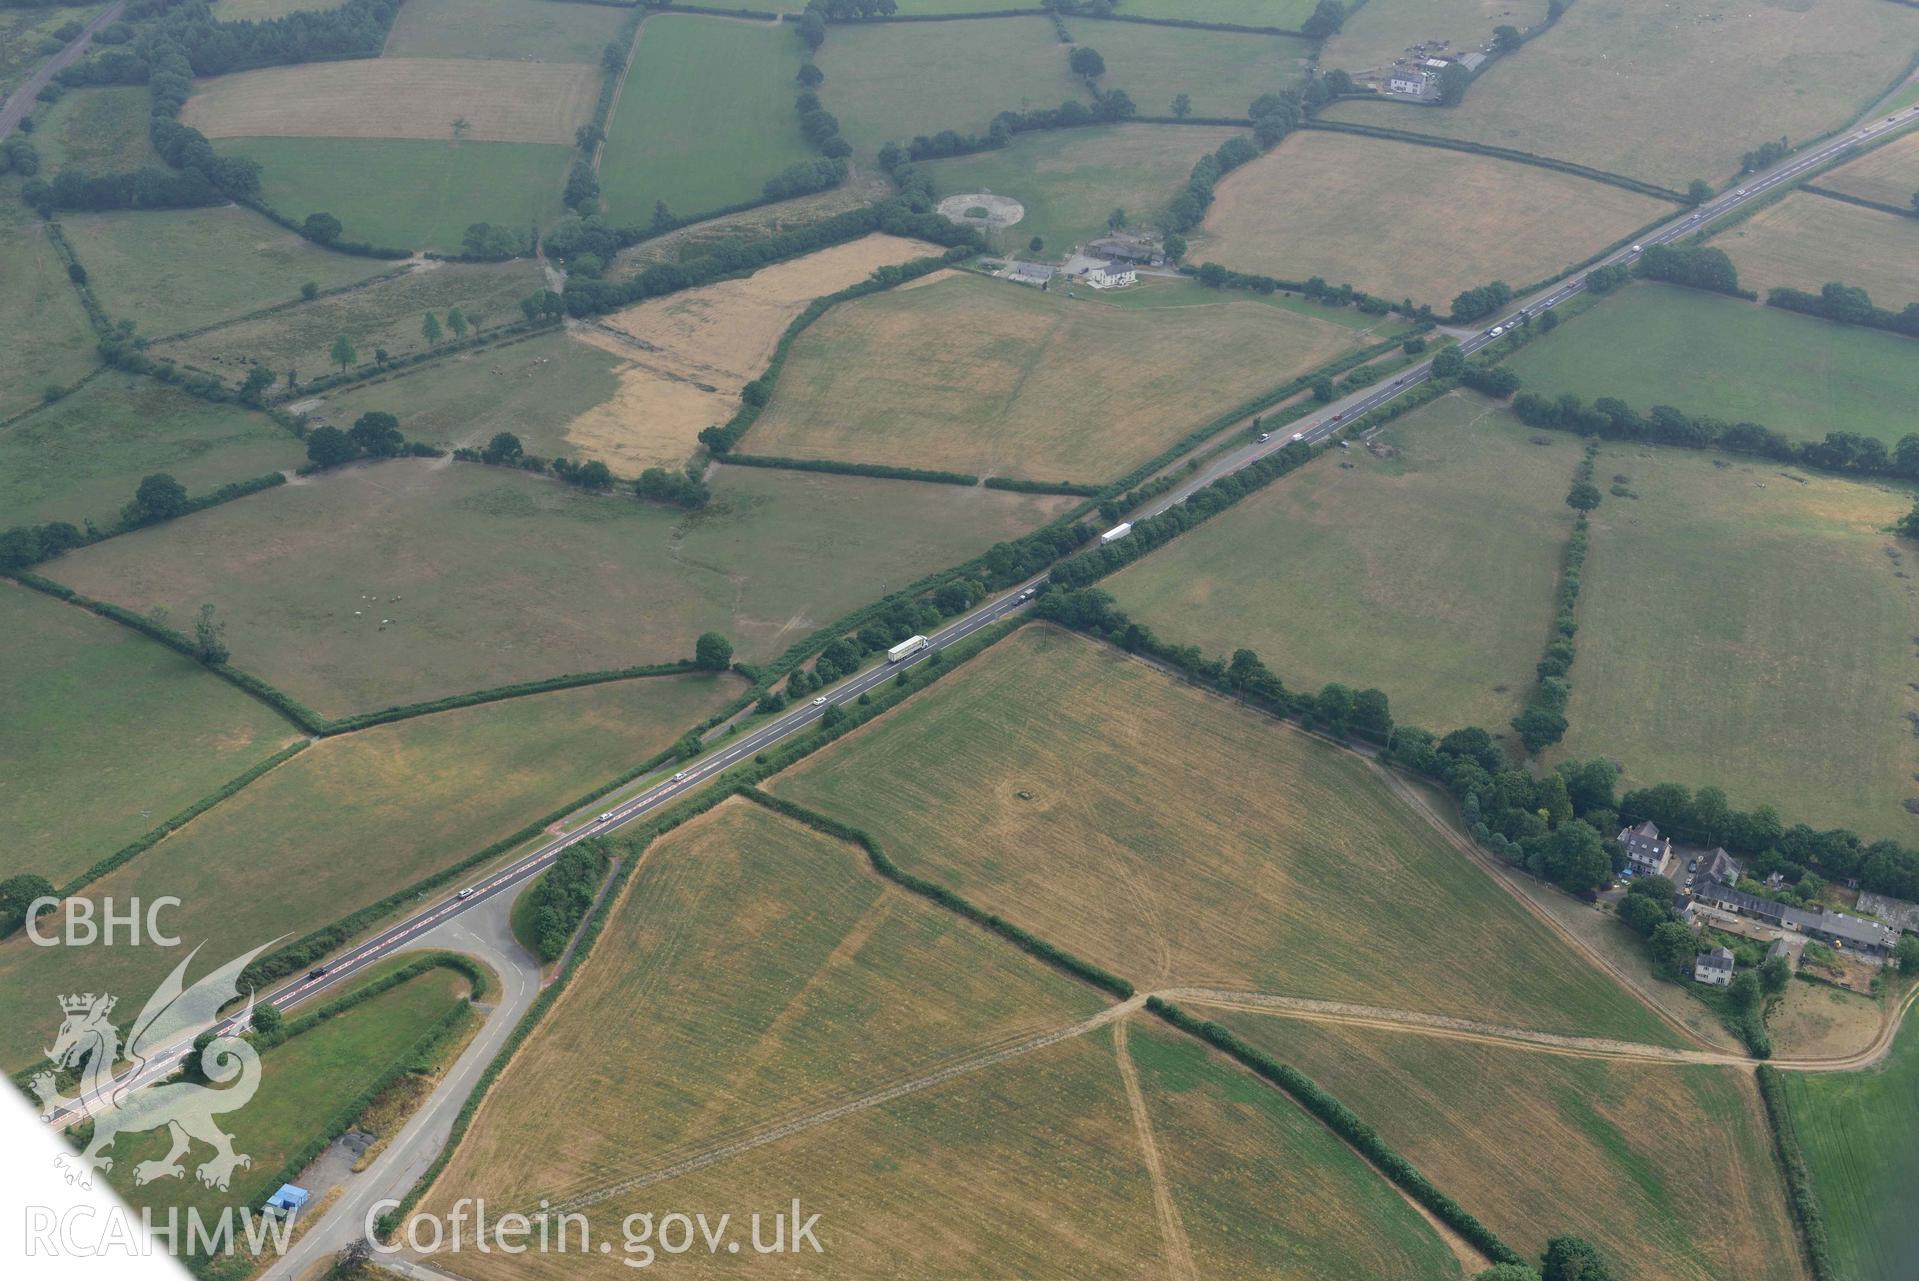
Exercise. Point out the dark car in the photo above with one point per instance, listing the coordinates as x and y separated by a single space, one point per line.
317 972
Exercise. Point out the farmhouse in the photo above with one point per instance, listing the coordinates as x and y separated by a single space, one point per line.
1646 850
1853 933
1409 80
1717 865
1714 967
1125 248
1031 273
1100 278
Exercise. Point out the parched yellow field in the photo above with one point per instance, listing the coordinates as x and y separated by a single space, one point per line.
689 354
1672 90
1377 32
1406 221
1806 240
500 100
987 377
1178 840
1669 1170
1889 174
753 971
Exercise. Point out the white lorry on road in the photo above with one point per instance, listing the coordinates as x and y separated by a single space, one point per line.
906 649
1116 533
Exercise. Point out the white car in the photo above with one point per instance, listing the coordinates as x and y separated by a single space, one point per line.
1495 331
605 816
1265 436
1299 435
1635 248
466 894
820 701
680 777
1740 192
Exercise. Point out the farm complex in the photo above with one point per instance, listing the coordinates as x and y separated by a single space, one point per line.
921 639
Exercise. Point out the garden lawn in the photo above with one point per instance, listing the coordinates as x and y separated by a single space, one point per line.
1806 240
1860 1132
1750 627
1220 71
1406 221
1071 180
83 457
1429 574
990 378
349 821
1664 345
1604 86
410 580
174 270
704 119
409 193
888 82
1178 840
1667 1169
45 341
105 734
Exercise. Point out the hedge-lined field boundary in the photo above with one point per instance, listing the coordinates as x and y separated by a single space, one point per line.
938 894
1342 1121
884 471
127 853
1499 153
1846 197
274 309
1807 1216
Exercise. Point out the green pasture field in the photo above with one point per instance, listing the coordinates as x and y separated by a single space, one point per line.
98 131
409 193
1663 345
1070 180
524 30
304 1084
45 340
1289 14
1806 240
105 734
178 269
24 33
1176 839
1749 626
763 970
992 378
705 117
1378 32
349 821
1888 174
82 457
386 313
267 10
1668 1169
1220 71
888 82
1860 1132
1405 221
1429 575
541 386
490 576
1605 85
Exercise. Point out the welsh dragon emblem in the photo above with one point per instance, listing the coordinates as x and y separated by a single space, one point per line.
88 1042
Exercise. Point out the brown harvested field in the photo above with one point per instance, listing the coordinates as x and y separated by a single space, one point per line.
1671 90
1406 221
690 353
1379 31
991 378
1180 840
1806 240
409 580
752 971
1669 1170
1888 174
501 101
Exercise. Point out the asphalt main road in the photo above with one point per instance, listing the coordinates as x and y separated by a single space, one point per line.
21 101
